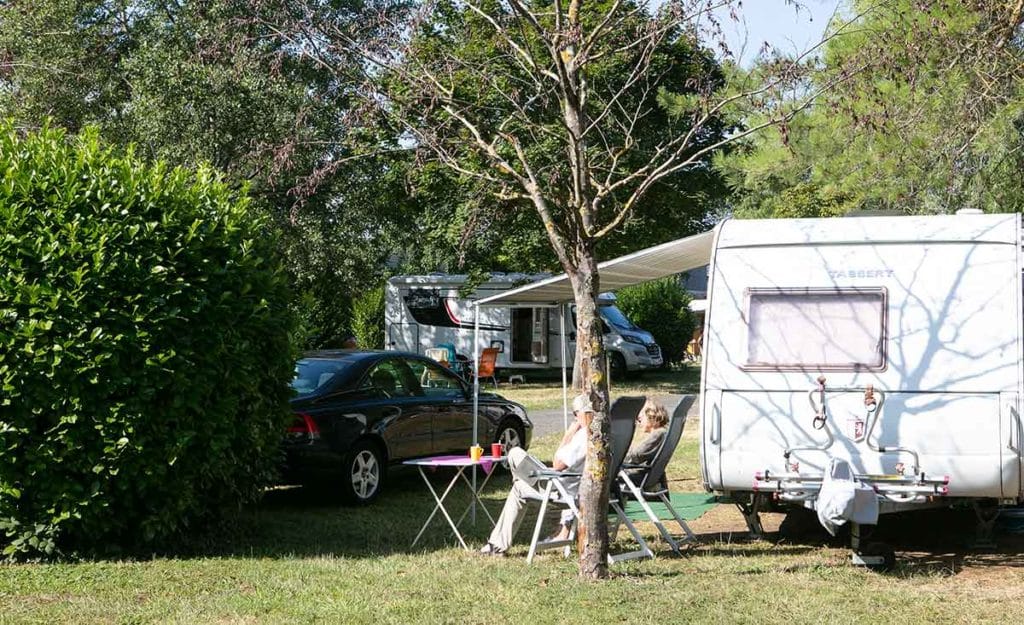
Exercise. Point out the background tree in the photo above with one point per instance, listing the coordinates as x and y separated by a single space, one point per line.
930 120
195 82
207 82
576 112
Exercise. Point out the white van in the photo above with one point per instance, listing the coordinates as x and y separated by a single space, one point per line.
893 343
426 311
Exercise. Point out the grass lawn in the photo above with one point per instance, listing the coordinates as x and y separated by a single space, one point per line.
298 558
545 393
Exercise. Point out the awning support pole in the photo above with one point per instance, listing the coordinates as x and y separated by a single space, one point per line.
476 397
476 369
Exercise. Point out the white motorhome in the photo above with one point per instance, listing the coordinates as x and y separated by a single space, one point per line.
893 343
426 311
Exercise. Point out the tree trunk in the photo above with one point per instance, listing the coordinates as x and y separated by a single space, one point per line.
593 494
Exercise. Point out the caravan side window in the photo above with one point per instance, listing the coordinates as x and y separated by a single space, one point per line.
823 329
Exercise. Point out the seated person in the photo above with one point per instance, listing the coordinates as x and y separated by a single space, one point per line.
570 456
653 425
384 382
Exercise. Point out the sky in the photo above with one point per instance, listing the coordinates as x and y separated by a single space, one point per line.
783 26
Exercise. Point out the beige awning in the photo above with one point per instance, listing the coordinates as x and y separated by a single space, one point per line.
667 259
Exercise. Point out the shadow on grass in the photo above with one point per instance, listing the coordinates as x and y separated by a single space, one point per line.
309 522
926 542
766 549
945 544
302 522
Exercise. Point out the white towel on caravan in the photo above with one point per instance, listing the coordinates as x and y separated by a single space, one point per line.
842 498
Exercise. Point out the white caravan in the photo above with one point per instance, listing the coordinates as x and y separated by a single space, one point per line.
893 343
422 312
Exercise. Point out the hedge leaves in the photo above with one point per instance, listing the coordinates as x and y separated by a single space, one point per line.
144 347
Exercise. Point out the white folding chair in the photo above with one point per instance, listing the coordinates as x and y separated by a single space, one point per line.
651 486
560 487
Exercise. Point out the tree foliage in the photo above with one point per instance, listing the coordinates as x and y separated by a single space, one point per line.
927 117
216 82
208 82
144 347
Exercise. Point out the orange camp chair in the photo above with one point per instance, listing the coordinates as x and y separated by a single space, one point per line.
486 368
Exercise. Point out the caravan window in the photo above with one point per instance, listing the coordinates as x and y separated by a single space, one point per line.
837 329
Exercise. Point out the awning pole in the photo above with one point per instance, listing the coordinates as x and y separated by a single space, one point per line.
476 370
565 386
608 369
476 398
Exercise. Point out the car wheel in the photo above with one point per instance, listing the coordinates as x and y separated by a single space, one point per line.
510 434
363 474
617 364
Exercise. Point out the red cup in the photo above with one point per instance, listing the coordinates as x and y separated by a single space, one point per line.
496 450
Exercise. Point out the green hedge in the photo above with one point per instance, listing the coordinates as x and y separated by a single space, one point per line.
662 308
144 348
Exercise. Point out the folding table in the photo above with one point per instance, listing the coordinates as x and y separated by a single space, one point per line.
460 464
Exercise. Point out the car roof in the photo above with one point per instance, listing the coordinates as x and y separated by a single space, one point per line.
355 361
354 354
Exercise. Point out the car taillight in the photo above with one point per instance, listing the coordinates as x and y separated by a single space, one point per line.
303 426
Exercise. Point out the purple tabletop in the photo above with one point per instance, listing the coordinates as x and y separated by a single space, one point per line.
485 462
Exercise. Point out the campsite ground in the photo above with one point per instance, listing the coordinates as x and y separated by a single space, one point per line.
542 391
301 557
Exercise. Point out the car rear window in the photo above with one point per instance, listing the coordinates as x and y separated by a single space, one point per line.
313 374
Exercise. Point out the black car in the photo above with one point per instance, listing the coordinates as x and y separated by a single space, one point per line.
358 411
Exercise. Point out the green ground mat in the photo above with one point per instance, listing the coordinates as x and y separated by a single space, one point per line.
690 506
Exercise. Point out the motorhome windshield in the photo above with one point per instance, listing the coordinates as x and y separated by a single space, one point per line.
617 318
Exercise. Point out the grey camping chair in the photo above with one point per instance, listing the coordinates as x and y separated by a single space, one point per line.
560 490
650 484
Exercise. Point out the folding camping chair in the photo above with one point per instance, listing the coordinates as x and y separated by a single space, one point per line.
430 376
440 354
488 362
650 485
623 415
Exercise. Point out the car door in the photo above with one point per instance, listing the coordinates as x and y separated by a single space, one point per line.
445 396
399 416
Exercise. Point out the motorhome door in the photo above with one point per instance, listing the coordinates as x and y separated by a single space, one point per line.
404 337
529 335
539 337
